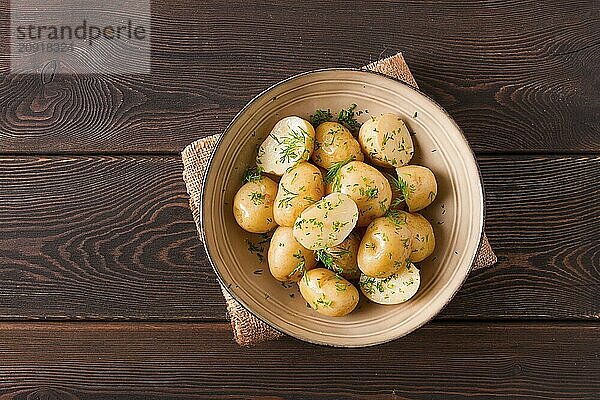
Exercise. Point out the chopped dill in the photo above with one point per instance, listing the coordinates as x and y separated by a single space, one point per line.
337 225
340 287
370 193
286 200
401 186
256 249
348 119
332 176
344 117
322 301
396 217
301 266
320 116
291 145
257 198
252 174
330 258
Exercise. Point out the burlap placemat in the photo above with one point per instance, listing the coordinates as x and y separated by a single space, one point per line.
247 329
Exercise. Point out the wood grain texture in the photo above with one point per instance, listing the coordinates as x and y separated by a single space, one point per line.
440 361
518 76
100 237
104 237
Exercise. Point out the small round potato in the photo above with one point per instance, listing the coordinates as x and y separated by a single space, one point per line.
341 259
327 222
419 186
368 187
386 141
385 248
394 289
334 143
288 259
299 187
328 293
422 235
253 205
291 141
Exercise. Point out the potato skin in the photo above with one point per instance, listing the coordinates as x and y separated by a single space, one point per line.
421 186
385 248
422 235
342 257
288 259
253 205
327 293
334 143
368 187
386 141
299 188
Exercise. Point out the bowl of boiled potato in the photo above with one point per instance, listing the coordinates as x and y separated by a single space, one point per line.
342 207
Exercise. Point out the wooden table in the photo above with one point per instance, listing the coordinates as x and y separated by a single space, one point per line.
106 292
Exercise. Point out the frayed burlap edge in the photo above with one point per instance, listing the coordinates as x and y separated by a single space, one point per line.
247 329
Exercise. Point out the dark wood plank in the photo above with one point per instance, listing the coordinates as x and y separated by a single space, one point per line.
439 361
100 237
518 76
112 238
542 220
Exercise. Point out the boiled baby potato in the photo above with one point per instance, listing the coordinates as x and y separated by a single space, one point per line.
291 140
386 247
341 259
288 259
386 141
334 143
418 186
299 187
368 187
327 222
394 289
328 293
253 205
422 235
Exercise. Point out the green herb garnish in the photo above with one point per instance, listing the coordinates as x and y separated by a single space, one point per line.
348 119
330 257
256 249
401 186
252 174
396 217
286 200
257 198
291 145
370 193
332 176
323 302
340 287
320 116
370 285
301 266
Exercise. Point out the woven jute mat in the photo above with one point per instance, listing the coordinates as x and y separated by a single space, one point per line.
247 329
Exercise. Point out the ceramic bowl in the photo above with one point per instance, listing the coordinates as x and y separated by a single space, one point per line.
456 214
